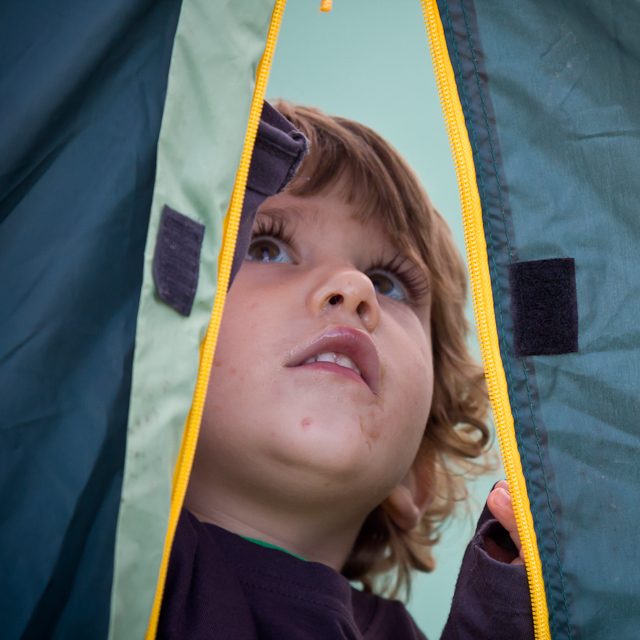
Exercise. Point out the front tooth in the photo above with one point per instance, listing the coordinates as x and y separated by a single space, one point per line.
337 358
346 361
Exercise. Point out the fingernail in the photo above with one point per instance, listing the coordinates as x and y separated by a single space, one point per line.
503 499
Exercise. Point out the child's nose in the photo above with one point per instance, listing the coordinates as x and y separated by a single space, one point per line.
350 291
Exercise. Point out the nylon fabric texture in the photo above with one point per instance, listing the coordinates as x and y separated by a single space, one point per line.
554 92
83 86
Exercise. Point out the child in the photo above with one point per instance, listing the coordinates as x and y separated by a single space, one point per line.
342 401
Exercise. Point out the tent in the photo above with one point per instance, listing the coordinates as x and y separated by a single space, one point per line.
112 111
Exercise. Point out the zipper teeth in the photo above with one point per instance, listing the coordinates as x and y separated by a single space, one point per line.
192 428
482 297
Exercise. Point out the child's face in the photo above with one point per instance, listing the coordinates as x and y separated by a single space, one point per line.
280 424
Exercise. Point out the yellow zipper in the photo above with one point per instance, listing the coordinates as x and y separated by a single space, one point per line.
482 296
190 436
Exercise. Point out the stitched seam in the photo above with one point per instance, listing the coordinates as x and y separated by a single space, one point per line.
546 489
542 467
491 244
376 608
536 516
486 119
532 502
273 148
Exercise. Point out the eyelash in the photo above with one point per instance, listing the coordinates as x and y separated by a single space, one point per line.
274 228
410 276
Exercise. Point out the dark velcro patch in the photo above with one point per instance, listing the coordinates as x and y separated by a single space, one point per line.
176 263
544 307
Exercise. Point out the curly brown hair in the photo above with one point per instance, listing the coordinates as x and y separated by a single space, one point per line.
380 184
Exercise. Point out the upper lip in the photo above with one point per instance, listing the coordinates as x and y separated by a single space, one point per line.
349 341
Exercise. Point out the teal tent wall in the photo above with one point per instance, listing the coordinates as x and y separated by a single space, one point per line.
549 92
82 89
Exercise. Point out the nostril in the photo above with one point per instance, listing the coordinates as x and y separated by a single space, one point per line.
336 299
362 309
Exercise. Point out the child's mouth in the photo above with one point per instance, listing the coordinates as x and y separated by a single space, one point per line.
343 350
338 358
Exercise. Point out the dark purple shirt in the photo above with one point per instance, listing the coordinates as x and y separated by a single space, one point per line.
221 586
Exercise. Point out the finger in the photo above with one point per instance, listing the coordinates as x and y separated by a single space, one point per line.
499 503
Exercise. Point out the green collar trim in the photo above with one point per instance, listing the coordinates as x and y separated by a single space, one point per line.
273 546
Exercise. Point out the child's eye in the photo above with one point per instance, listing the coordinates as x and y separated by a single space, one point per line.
388 285
400 279
266 249
270 241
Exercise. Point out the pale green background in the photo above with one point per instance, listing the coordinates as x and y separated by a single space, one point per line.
369 60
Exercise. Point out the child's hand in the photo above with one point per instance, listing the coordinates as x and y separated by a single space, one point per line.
499 503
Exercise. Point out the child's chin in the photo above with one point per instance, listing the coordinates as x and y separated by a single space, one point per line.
331 460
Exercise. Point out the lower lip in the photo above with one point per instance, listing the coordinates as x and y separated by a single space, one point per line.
331 367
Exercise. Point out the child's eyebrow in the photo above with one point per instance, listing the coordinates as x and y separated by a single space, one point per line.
279 212
290 214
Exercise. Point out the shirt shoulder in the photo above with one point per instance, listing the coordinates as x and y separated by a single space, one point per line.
381 619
